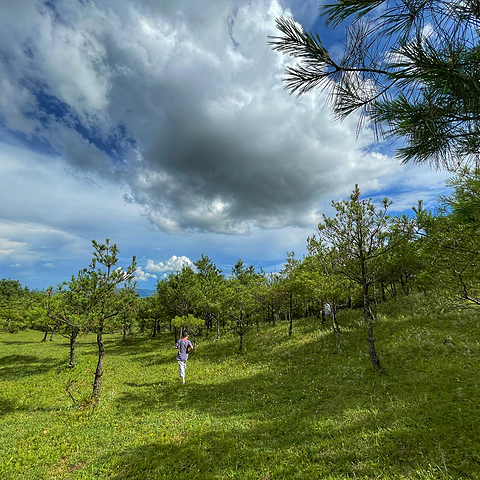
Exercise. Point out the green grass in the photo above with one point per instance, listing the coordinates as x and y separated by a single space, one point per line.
307 407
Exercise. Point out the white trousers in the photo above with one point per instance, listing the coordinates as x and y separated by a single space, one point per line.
182 365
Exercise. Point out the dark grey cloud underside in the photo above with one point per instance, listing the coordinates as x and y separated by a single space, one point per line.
211 140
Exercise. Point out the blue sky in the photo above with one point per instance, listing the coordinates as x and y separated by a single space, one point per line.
165 127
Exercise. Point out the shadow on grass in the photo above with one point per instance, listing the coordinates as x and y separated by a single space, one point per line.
254 435
6 406
141 385
26 342
14 367
257 438
305 414
237 453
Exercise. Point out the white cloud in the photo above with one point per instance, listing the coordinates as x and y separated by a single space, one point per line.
143 276
47 209
48 265
15 265
173 264
170 116
23 239
11 248
206 121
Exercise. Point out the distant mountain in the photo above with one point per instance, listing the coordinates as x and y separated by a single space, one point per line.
144 292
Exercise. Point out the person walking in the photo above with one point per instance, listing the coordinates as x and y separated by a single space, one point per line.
184 346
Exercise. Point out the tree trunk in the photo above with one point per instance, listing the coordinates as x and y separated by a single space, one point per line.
240 330
290 314
73 339
45 336
218 329
154 328
371 347
99 371
335 325
368 317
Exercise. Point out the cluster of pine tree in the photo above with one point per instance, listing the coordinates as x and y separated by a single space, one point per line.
359 257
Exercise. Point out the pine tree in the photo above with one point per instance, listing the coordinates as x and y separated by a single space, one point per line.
410 69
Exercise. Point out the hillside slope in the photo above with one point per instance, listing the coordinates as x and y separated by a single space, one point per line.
308 406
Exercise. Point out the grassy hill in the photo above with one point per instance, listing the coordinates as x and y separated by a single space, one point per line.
304 407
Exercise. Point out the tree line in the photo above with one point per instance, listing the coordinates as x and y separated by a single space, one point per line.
357 258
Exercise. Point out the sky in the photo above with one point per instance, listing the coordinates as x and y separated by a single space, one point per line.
165 127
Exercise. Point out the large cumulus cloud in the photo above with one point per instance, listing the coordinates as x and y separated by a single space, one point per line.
182 103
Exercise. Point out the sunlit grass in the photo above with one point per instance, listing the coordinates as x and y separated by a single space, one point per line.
308 406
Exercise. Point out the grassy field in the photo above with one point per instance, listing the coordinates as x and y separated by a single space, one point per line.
307 407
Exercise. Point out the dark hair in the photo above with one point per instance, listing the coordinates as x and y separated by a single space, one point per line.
185 333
